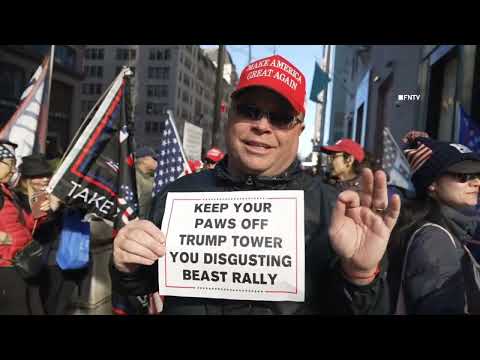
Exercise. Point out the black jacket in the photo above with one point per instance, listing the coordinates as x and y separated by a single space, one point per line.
326 291
434 281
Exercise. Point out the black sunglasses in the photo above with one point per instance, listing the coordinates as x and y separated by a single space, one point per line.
281 120
463 178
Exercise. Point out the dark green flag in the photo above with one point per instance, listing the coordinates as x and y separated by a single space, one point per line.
320 82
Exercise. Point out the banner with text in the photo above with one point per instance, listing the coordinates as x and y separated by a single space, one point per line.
192 141
245 245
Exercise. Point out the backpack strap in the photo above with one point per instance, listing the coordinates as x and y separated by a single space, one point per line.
401 307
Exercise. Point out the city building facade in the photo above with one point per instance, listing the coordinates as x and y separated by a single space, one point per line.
17 65
180 78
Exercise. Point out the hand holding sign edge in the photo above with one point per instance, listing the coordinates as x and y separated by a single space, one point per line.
140 242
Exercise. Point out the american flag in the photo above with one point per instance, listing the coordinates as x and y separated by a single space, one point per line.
171 160
172 164
27 126
394 162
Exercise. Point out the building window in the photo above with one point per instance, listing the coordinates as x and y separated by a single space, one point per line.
156 108
100 54
84 89
126 54
148 126
66 56
186 80
98 89
185 97
155 127
161 72
159 54
157 91
200 75
188 63
198 107
184 114
94 71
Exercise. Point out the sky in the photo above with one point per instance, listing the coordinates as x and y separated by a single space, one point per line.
303 57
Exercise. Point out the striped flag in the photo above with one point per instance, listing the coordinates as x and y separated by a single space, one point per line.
28 126
417 157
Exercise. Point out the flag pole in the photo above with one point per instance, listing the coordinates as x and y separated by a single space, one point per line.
42 144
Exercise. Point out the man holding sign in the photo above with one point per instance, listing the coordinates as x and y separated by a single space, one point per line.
271 256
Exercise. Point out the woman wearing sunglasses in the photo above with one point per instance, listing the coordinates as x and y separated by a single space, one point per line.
427 246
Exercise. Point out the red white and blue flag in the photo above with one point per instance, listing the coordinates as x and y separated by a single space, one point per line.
172 164
97 174
171 160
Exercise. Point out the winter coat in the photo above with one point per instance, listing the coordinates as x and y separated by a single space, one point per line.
326 291
18 225
434 281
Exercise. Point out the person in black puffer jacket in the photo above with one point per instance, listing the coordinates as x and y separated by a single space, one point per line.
344 274
427 244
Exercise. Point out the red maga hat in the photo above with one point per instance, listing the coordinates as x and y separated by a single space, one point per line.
347 146
195 165
279 75
215 155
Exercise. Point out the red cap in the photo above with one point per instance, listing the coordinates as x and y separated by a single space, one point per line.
195 165
279 75
215 154
347 146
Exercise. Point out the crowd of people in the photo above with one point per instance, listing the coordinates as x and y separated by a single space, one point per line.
368 249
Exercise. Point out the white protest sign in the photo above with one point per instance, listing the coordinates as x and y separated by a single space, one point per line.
192 141
245 245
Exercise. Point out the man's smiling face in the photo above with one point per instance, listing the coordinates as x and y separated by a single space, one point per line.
259 147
